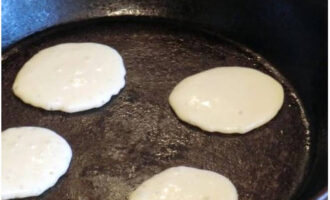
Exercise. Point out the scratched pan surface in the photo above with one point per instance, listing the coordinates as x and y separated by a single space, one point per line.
137 135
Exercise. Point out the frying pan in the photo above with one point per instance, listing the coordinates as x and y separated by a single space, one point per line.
136 134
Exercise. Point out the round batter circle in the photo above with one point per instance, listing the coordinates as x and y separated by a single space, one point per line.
71 77
227 99
33 159
186 183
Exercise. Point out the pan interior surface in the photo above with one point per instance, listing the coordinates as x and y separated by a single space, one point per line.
136 135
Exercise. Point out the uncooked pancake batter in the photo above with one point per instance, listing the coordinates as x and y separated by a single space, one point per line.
71 77
186 183
33 159
227 99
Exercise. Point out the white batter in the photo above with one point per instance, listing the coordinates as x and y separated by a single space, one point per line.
186 183
71 77
33 159
227 99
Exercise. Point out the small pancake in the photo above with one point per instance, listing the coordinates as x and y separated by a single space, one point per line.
33 159
71 77
186 183
227 99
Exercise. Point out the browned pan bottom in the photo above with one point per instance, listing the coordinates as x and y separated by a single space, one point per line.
137 135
